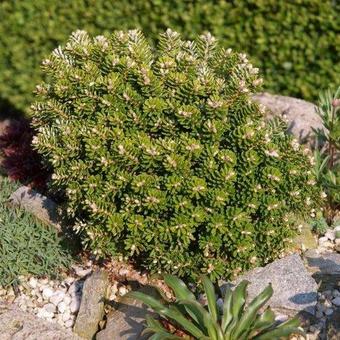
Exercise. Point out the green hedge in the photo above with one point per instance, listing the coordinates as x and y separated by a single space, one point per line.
295 43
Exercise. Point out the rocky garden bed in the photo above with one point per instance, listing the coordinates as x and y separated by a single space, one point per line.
88 299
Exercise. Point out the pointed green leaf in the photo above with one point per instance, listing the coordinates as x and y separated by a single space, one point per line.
205 320
249 315
179 287
148 300
262 322
211 297
195 310
208 322
295 322
239 299
278 333
227 315
186 324
156 327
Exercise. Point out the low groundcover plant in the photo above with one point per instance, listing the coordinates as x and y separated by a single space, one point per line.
27 247
234 321
163 156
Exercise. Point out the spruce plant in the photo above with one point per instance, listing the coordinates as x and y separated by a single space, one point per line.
163 156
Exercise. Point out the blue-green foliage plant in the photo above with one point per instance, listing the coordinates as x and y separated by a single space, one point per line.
163 156
27 247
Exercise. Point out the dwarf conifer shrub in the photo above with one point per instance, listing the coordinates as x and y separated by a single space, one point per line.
163 156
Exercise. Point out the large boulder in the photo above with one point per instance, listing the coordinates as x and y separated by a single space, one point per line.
18 325
301 115
294 288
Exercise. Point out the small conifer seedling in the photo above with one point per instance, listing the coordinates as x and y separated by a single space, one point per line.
164 157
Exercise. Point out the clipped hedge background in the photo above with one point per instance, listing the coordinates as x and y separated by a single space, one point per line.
295 43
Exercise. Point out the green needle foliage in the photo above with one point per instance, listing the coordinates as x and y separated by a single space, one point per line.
295 43
234 321
163 156
26 246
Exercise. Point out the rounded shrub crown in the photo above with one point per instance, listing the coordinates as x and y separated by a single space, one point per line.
163 156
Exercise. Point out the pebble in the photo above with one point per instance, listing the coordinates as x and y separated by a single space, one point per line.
57 297
327 245
281 318
42 313
50 307
75 288
69 323
33 282
62 307
69 280
330 234
67 300
47 293
327 304
220 303
323 239
336 301
336 293
66 316
122 290
44 282
329 311
319 315
81 272
75 305
123 272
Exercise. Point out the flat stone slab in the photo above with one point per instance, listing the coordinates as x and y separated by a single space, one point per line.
294 288
18 325
301 115
128 320
39 205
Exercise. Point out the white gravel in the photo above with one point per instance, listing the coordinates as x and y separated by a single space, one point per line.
56 301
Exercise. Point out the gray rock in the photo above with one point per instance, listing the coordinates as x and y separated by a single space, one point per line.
328 263
38 205
301 115
91 309
18 325
336 301
324 267
294 289
128 320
